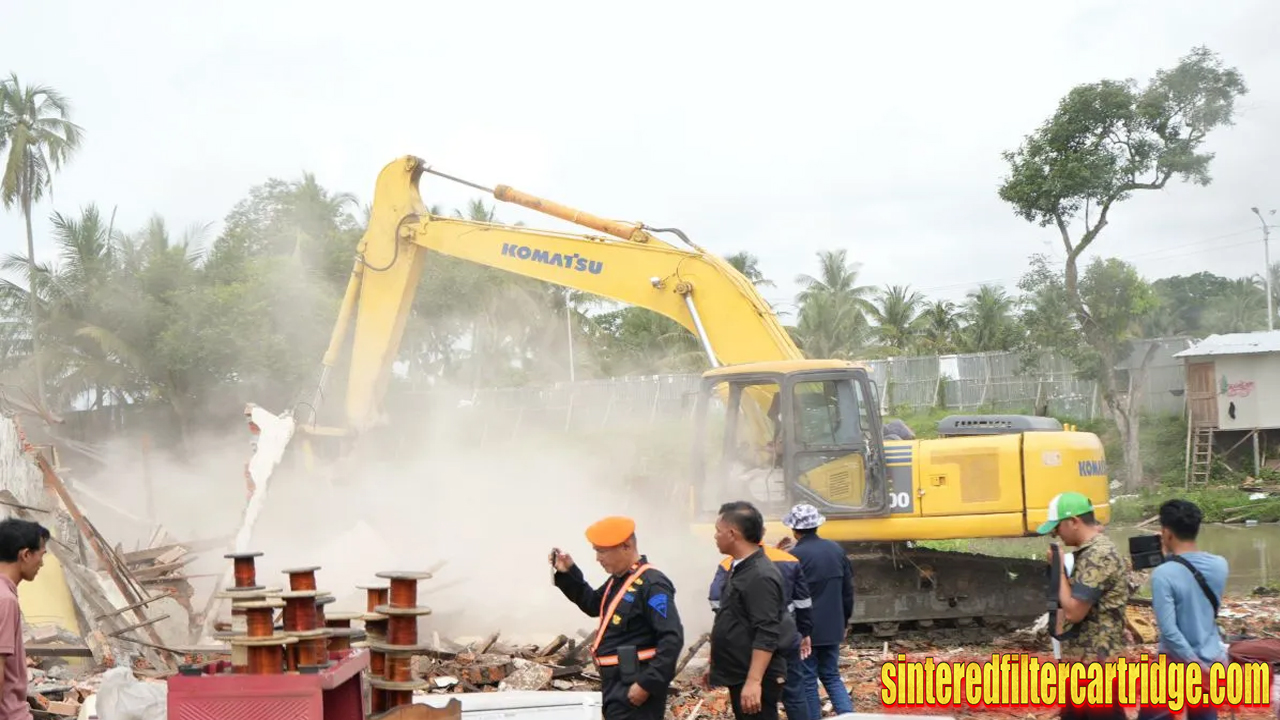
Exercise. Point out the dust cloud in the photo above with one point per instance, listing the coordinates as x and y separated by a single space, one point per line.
482 518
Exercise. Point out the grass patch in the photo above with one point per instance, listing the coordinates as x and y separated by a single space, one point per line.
946 545
1219 504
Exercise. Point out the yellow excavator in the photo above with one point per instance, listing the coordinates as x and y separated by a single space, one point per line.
771 425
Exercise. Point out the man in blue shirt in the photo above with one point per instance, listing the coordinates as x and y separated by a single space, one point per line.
829 575
1185 615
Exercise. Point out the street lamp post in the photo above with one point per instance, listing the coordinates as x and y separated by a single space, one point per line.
1266 255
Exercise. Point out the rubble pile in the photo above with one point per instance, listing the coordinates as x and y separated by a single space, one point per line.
94 606
487 665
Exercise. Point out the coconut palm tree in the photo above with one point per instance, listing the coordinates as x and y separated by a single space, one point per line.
939 326
1241 308
749 265
990 324
36 130
897 318
832 320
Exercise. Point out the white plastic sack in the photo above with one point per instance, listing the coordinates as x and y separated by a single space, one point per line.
1275 694
124 697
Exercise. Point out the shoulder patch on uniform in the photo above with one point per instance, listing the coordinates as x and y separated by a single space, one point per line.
659 604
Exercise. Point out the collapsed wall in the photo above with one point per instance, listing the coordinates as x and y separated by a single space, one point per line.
87 595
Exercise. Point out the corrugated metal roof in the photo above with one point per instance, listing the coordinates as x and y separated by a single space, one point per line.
1235 344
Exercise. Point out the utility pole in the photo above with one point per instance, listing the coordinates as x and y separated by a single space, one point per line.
568 323
1266 254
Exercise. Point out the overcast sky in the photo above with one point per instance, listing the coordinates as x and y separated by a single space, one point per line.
781 129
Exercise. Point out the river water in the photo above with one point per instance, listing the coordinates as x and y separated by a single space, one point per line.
1246 549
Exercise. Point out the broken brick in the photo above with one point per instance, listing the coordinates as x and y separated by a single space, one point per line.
486 670
530 677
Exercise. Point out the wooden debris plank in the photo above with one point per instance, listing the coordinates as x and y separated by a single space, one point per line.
140 603
156 571
692 652
53 482
136 592
551 647
488 643
171 556
141 556
66 651
136 626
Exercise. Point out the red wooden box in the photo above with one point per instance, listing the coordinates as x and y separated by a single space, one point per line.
333 694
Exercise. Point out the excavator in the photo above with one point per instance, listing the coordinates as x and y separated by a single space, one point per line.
771 425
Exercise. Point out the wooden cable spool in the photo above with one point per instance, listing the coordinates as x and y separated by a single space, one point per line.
263 649
399 643
243 571
339 625
301 622
377 595
302 578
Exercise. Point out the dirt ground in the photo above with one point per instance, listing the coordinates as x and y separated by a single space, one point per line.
1253 617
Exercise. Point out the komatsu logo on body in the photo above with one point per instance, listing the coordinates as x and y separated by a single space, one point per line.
1092 468
572 262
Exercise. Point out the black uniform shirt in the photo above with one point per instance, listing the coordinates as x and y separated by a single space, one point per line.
752 616
646 618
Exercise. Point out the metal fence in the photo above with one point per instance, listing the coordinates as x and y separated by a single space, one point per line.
981 382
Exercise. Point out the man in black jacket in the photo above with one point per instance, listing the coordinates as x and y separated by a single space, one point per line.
640 636
752 624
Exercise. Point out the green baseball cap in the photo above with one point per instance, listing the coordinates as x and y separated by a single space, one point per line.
1062 506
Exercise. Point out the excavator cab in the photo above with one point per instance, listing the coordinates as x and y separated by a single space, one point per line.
781 433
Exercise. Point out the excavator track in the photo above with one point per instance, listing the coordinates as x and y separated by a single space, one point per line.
942 597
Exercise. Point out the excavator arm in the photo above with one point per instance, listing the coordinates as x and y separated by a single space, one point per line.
628 264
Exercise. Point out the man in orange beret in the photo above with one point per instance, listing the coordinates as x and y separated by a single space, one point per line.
639 638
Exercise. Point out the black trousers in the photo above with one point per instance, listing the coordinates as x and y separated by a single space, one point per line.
616 706
770 696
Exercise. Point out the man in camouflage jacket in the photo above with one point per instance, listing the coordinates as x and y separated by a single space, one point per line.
1093 597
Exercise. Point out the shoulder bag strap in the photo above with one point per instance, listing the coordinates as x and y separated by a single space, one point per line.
1204 585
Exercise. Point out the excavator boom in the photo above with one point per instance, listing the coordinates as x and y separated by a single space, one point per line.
700 291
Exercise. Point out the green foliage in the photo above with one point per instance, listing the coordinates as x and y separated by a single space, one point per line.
1110 138
1115 300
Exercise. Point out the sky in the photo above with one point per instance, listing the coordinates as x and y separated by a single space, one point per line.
777 129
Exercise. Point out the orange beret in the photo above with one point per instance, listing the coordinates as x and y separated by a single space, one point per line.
611 531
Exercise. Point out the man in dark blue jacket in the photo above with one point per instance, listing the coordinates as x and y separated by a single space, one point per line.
830 579
795 693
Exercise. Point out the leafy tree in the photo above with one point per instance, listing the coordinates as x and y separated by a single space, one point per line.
1117 301
1106 141
1183 300
36 129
